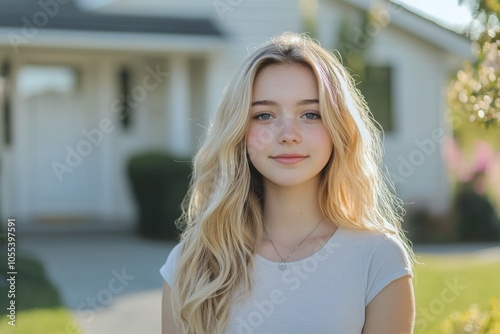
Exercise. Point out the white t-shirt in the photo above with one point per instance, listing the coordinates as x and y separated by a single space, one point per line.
324 293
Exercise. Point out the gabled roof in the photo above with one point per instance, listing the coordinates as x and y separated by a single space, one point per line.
69 16
421 27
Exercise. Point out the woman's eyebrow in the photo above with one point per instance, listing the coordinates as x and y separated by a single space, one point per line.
274 103
264 103
307 102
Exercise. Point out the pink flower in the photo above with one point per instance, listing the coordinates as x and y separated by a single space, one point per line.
483 156
483 159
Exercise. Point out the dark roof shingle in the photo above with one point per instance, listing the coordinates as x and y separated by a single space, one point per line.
69 16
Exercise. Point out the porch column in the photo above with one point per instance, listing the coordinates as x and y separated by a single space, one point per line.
178 127
110 150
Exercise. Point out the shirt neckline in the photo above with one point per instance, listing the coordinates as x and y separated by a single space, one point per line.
265 261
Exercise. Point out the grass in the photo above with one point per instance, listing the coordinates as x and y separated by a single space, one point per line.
38 306
444 284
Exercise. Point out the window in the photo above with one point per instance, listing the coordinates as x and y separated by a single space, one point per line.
376 87
46 79
5 111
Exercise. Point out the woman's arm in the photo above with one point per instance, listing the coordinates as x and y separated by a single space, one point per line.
392 311
168 325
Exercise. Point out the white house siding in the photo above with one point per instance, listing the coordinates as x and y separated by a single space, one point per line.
413 153
420 74
245 24
41 124
421 71
97 189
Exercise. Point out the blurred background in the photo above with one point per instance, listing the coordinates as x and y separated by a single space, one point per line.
103 103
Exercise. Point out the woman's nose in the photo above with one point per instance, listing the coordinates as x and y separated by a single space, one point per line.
289 131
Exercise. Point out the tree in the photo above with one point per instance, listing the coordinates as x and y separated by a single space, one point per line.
474 93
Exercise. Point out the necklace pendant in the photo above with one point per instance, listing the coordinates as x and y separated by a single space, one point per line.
282 265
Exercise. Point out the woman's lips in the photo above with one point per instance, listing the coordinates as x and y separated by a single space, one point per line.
289 159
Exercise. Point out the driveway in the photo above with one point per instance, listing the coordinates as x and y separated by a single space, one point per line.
109 280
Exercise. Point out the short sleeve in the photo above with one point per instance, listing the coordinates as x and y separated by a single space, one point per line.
385 260
167 271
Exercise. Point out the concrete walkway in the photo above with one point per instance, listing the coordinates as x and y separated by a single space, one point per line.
109 280
487 251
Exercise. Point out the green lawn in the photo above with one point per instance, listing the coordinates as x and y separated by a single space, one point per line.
38 307
444 284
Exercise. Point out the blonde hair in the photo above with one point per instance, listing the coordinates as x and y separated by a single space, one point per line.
223 209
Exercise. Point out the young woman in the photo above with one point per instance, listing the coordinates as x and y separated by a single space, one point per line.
289 225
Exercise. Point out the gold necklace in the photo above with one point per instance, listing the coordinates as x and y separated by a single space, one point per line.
282 265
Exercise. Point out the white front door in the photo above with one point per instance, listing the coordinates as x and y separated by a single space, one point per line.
59 156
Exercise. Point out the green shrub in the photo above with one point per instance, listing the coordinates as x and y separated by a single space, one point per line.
424 226
473 321
159 183
3 235
39 308
477 218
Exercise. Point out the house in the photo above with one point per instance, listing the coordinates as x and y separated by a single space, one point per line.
85 84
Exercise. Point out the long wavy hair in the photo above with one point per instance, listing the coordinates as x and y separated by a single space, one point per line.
222 212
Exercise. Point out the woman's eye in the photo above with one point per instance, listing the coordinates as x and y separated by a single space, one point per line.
263 117
312 115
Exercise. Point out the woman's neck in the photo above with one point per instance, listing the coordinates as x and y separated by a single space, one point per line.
291 210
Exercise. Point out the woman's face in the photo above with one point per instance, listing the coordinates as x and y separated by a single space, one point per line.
286 139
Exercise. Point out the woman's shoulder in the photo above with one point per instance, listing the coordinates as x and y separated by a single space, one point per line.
170 265
380 247
370 238
375 244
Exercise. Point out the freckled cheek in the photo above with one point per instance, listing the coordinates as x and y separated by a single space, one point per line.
258 138
254 147
323 139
